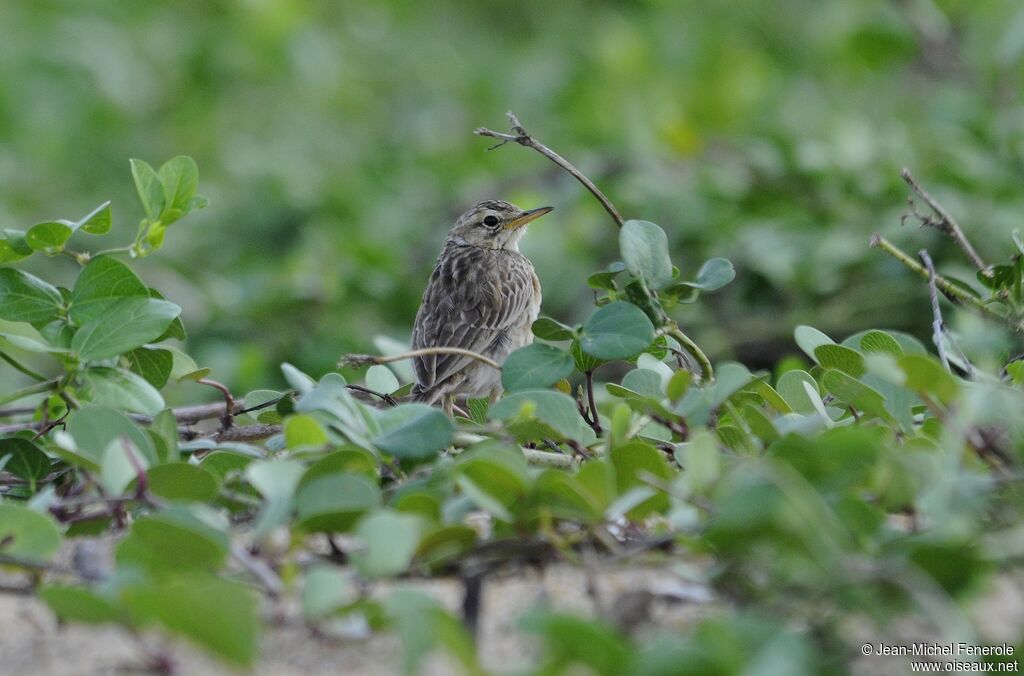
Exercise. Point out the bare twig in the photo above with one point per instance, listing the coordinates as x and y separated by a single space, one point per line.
247 433
595 419
952 291
264 574
707 373
519 135
938 327
383 396
227 419
945 222
364 359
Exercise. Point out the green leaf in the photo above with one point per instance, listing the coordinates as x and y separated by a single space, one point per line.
644 249
334 502
380 378
701 461
149 187
678 384
423 625
809 339
27 534
174 540
302 431
153 364
96 222
713 275
841 358
25 298
101 282
632 461
48 235
606 278
94 427
120 389
879 341
414 432
324 591
182 481
927 376
390 539
79 604
126 324
556 410
535 366
546 328
583 361
24 459
120 465
570 640
851 391
218 615
644 382
791 388
617 331
164 433
180 178
13 246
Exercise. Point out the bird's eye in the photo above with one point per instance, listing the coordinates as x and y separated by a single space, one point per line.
491 221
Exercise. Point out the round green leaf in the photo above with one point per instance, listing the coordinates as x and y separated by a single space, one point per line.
389 539
714 274
810 338
414 431
841 358
182 481
23 459
27 534
120 389
644 248
103 280
48 235
333 502
125 324
617 331
535 366
380 378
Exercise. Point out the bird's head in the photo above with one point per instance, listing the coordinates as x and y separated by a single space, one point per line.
494 224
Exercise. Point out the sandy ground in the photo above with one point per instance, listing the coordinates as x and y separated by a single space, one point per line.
32 643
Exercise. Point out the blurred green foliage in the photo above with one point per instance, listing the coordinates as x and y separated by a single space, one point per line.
336 148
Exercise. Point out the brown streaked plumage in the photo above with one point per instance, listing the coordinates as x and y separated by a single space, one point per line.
483 296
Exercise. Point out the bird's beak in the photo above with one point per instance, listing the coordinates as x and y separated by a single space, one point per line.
526 217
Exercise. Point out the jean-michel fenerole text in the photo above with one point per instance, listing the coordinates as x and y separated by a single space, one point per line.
943 649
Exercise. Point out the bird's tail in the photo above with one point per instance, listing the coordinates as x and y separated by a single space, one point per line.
421 395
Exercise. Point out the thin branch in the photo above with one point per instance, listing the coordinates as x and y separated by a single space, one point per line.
707 372
952 291
383 396
595 418
938 327
246 433
519 135
364 359
226 420
264 574
945 222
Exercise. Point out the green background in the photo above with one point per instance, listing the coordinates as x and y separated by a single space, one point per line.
334 142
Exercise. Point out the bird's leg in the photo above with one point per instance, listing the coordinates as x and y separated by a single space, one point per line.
448 405
495 395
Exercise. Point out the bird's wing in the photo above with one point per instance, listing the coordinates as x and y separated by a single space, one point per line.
470 302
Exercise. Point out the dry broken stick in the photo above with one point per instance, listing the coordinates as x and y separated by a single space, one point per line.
938 326
942 221
364 359
519 135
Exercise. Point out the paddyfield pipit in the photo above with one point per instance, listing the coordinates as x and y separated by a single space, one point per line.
483 296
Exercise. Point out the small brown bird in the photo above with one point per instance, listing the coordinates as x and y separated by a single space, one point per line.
483 296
